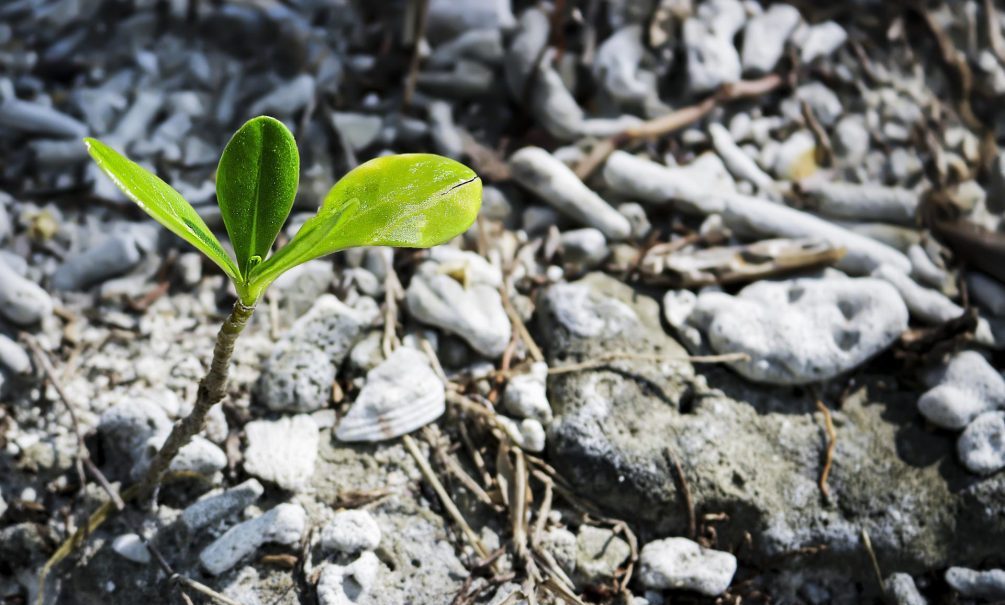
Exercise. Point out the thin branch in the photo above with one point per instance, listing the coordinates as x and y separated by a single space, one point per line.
685 490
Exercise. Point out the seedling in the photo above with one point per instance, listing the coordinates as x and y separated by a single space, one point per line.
408 201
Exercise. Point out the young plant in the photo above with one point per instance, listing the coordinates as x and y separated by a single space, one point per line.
408 201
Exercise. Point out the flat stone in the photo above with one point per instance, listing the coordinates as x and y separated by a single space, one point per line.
216 507
599 553
284 524
282 451
680 563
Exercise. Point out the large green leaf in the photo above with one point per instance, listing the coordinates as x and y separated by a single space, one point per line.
256 182
410 201
162 202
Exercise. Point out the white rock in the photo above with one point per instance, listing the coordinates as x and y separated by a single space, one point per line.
765 36
987 291
820 40
448 18
282 451
795 156
525 49
901 589
286 99
802 330
555 183
526 394
648 181
867 202
359 130
22 301
712 59
616 66
636 215
927 305
981 447
13 357
586 247
25 116
528 433
338 585
129 546
351 531
284 524
851 139
965 388
739 163
212 508
474 266
444 133
924 268
401 394
200 456
971 583
679 563
475 314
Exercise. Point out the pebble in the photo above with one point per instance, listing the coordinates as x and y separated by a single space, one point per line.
525 49
357 129
616 66
528 434
126 427
448 18
648 181
822 101
987 291
961 390
802 330
346 585
199 456
981 447
114 256
795 157
868 202
975 584
286 99
679 563
851 139
130 547
712 59
284 524
282 451
820 40
927 305
444 133
300 371
351 531
526 394
739 163
546 176
483 45
900 588
475 314
466 79
638 219
585 247
22 301
765 36
599 553
924 268
400 395
13 357
216 507
25 116
4 217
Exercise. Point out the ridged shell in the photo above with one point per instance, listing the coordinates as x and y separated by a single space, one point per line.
401 394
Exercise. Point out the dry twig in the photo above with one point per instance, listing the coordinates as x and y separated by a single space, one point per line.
831 445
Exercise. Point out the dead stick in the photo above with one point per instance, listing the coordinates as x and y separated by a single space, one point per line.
413 66
607 359
831 446
685 490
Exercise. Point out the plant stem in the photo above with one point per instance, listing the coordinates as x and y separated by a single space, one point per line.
212 388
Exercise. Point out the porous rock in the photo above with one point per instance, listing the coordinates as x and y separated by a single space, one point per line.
680 563
962 389
284 524
282 451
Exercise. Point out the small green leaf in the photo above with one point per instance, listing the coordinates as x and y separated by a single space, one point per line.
162 202
256 182
410 201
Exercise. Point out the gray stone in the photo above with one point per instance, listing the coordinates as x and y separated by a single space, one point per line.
901 590
599 553
561 544
925 269
616 66
526 395
483 45
525 49
22 301
13 357
448 19
126 427
822 101
987 291
351 531
111 257
803 330
199 456
130 547
286 99
299 373
679 563
284 524
216 507
981 447
359 130
445 135
25 116
765 36
585 247
475 314
465 79
964 388
540 172
925 304
282 451
975 584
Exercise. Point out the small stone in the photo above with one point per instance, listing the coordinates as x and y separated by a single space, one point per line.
526 394
869 202
351 531
528 434
338 585
988 291
359 130
129 546
900 588
22 301
112 257
199 456
961 390
584 247
712 59
802 330
445 135
539 171
820 40
616 66
13 357
448 19
25 116
282 451
286 99
475 314
823 102
981 447
189 268
561 543
126 427
765 36
925 304
210 509
975 584
679 563
599 553
638 219
851 139
796 157
284 524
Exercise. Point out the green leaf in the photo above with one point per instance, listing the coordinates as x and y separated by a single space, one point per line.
410 201
162 202
256 182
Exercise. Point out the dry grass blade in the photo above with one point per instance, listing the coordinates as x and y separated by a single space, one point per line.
831 446
520 327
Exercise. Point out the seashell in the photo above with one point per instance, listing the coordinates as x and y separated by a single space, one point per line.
401 394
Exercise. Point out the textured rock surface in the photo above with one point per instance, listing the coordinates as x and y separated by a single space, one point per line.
682 563
282 451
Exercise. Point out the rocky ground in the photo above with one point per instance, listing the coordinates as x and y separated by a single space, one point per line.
728 329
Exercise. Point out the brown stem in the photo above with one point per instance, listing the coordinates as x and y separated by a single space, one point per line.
212 388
